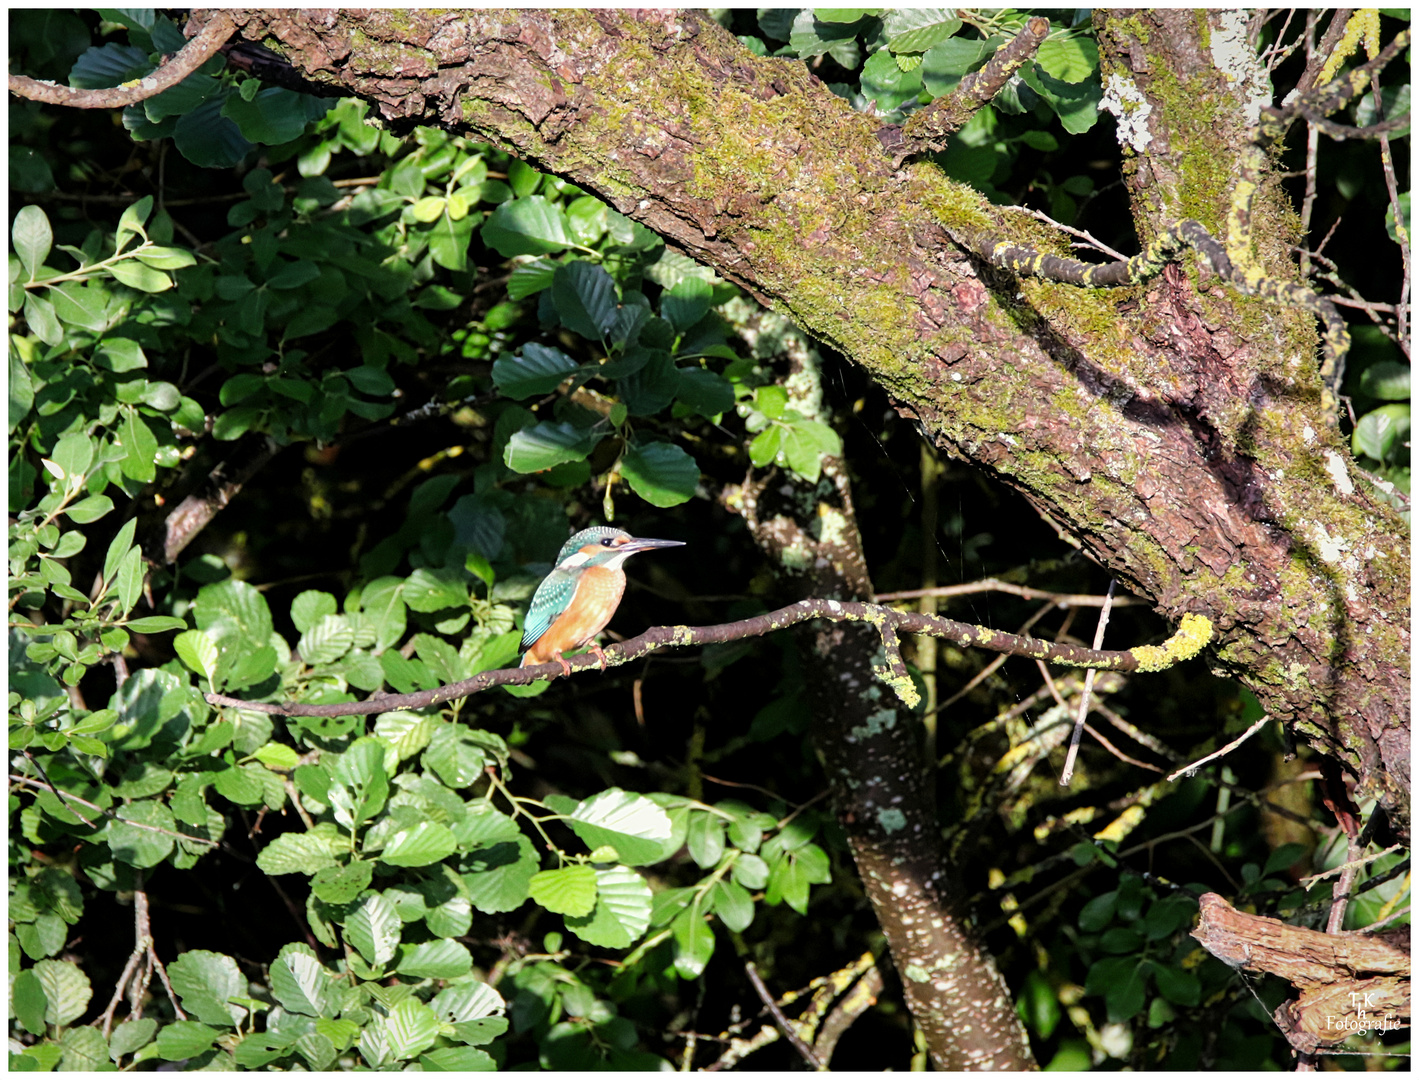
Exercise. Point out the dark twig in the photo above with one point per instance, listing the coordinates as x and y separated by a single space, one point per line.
1194 632
68 798
784 1024
205 45
189 517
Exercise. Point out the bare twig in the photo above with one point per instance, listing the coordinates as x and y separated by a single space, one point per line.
67 797
205 45
1023 591
1306 883
1068 773
785 1025
1243 737
1090 240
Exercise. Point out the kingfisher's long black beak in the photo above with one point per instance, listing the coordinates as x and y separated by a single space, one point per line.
635 544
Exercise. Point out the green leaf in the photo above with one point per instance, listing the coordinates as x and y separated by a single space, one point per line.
652 387
622 912
884 81
545 445
90 509
842 15
274 116
109 66
84 1050
637 828
373 927
142 833
341 884
1381 433
183 1039
448 241
29 1002
139 275
328 640
530 278
419 845
74 453
1070 60
706 839
204 980
458 1059
32 238
1177 985
568 891
811 38
497 876
1076 104
299 981
919 29
686 303
733 905
538 370
467 1001
945 64
130 1036
442 959
195 649
585 297
207 138
455 756
298 853
661 474
529 226
21 394
238 620
359 784
66 990
43 320
1387 380
694 942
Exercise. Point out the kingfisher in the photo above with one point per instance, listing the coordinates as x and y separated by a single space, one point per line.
577 599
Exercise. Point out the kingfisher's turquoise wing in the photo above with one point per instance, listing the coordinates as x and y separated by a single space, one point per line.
551 599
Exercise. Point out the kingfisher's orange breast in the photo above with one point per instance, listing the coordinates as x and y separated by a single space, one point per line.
598 593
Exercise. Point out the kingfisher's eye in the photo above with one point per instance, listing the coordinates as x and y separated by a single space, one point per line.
610 541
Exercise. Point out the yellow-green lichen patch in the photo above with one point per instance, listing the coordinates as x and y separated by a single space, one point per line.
1192 636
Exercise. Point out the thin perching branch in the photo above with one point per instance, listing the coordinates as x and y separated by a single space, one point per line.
1193 634
205 45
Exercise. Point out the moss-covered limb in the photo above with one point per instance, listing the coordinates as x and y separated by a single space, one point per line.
1192 636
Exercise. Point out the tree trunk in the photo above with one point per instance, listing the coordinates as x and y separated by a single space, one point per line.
1175 429
873 755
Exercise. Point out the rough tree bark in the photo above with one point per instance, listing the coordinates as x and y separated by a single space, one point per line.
1175 429
873 756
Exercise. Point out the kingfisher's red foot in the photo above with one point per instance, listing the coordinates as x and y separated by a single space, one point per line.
566 668
596 649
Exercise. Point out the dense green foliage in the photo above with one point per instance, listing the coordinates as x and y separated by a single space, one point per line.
457 360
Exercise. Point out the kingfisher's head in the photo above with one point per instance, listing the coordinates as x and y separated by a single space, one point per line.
604 546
